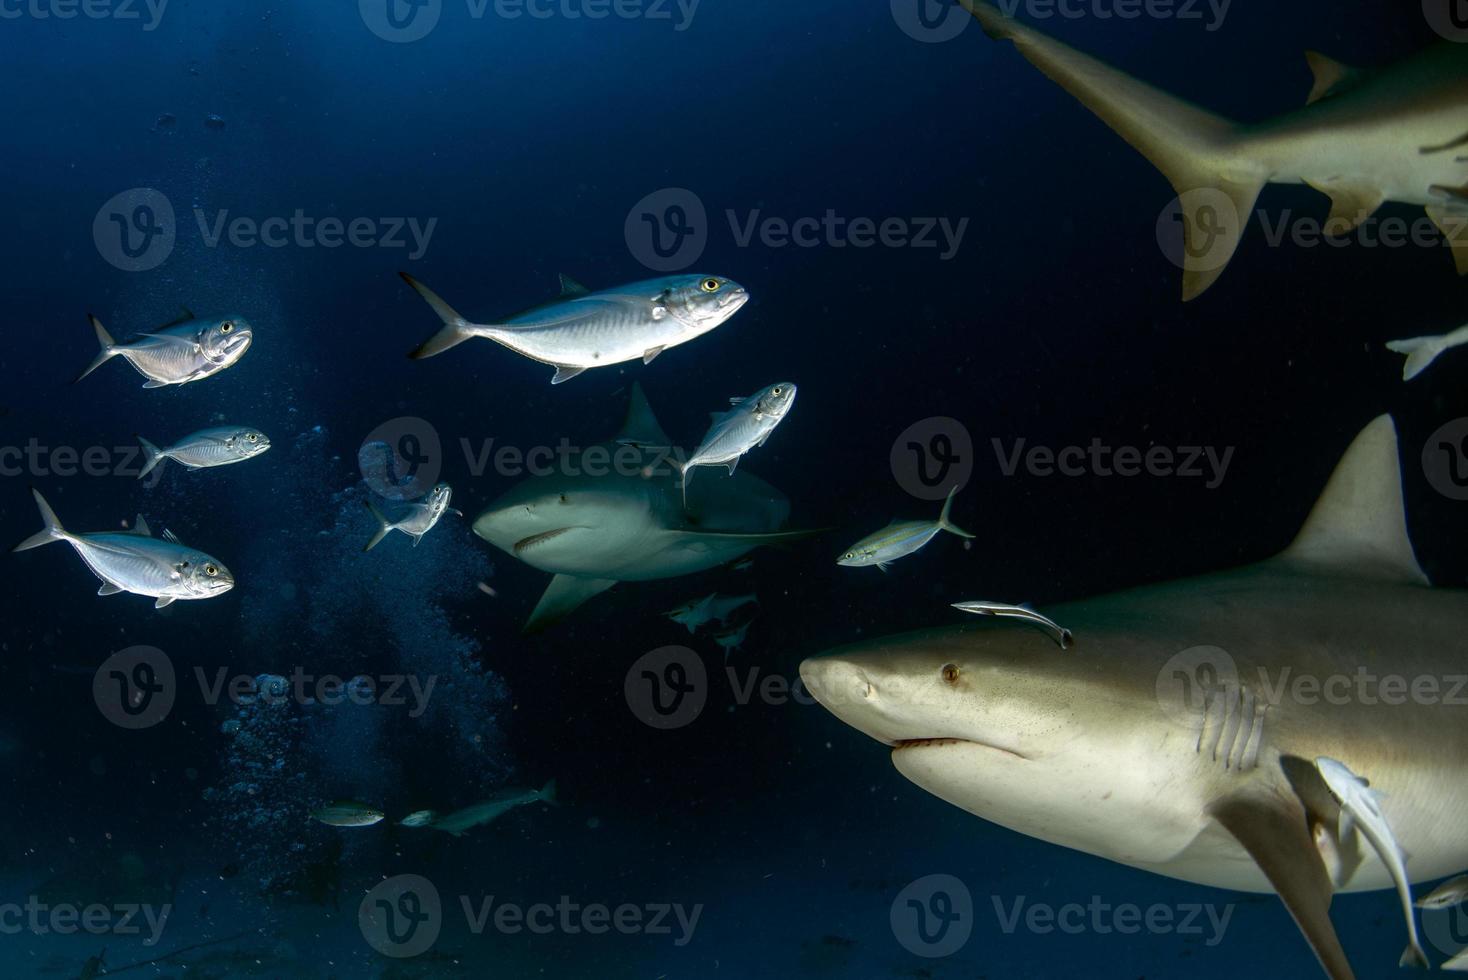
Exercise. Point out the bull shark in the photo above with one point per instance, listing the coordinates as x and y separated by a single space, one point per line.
1169 737
617 515
1364 138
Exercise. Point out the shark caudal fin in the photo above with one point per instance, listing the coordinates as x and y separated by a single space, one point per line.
548 794
455 330
154 454
944 523
53 531
384 527
1422 351
109 348
1359 524
1196 150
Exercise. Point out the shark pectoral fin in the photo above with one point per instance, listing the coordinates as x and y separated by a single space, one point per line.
1331 76
1273 830
562 597
565 373
1349 203
1453 222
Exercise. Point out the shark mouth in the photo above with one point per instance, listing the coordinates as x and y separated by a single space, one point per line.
902 745
525 544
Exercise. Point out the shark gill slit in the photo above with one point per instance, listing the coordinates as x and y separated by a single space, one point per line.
1232 727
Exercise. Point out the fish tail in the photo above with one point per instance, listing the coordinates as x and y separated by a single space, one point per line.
1415 957
109 348
548 793
155 456
383 527
1420 351
53 531
455 330
944 523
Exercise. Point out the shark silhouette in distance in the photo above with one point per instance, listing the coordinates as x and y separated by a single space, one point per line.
621 517
1170 736
1365 137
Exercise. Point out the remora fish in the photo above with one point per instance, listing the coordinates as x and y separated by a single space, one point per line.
744 427
135 561
1364 138
900 539
185 350
1361 810
1447 895
420 520
582 329
624 521
496 806
1109 753
419 818
208 447
1422 351
1003 610
347 813
711 608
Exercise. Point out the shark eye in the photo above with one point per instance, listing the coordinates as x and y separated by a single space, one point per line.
711 285
227 326
950 673
211 570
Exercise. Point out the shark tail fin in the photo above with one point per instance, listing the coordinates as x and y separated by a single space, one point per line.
154 454
455 330
1420 351
946 524
548 794
109 348
383 527
53 531
1196 150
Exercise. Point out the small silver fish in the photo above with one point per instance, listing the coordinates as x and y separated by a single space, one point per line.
420 520
208 447
419 818
460 821
347 813
900 539
711 608
1447 895
186 350
581 329
744 427
135 561
1004 610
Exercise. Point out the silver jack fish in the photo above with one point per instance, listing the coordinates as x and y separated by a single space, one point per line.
177 353
347 813
420 520
135 561
208 447
744 427
460 821
582 329
900 539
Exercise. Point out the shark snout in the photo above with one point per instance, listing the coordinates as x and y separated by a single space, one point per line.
874 702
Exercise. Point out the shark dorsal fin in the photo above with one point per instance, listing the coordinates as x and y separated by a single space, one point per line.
1331 76
641 427
1359 524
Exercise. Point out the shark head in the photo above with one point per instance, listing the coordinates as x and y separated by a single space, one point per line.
567 524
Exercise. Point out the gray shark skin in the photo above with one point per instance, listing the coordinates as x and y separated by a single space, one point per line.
1119 746
1365 137
626 522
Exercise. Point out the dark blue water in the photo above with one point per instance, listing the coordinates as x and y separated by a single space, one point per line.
520 148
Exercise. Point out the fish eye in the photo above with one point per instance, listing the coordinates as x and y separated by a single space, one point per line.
711 285
211 570
253 437
951 673
226 326
778 391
